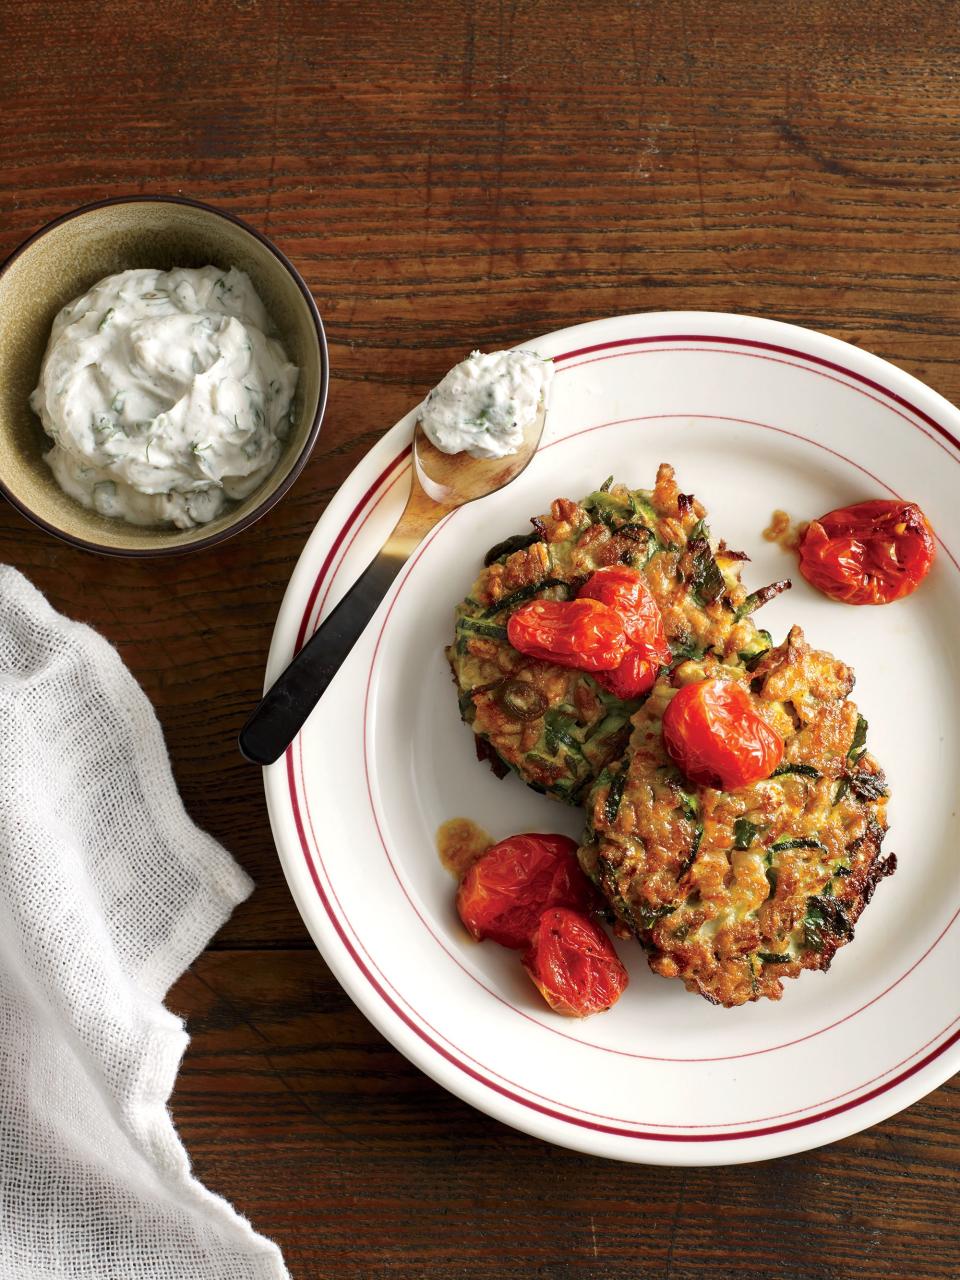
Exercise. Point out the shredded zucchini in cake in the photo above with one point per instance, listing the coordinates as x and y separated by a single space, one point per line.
568 728
732 891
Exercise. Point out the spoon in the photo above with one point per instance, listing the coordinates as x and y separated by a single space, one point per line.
440 482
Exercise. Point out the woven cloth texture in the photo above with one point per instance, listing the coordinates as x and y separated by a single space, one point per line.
107 893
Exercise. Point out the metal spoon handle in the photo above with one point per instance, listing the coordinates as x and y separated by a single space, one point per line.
281 714
439 483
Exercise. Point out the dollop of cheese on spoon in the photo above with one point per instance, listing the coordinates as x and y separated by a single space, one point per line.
484 404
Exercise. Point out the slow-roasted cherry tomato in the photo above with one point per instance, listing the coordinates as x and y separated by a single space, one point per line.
584 634
870 553
573 964
625 590
504 892
635 676
712 733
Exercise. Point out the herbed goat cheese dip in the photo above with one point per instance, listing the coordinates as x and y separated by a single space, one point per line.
164 396
484 404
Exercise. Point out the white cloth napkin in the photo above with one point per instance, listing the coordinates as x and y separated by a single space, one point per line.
107 892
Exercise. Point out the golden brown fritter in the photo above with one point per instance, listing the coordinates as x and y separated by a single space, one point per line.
734 891
555 726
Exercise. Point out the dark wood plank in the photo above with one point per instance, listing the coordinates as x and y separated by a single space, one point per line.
448 176
296 1109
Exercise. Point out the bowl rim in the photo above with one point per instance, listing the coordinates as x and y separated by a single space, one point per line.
272 498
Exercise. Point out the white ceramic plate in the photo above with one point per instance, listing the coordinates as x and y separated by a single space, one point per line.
754 415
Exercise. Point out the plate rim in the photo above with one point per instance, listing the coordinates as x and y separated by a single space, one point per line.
897 385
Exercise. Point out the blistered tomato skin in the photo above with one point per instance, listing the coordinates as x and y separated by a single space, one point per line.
715 737
573 964
504 892
869 553
635 676
625 590
584 634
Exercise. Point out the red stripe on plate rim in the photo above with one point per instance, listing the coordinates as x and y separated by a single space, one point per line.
358 960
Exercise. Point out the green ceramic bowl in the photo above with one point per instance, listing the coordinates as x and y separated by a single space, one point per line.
62 261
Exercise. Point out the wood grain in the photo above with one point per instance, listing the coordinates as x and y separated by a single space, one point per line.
293 1106
449 176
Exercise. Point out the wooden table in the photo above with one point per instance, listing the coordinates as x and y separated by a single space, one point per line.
450 175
